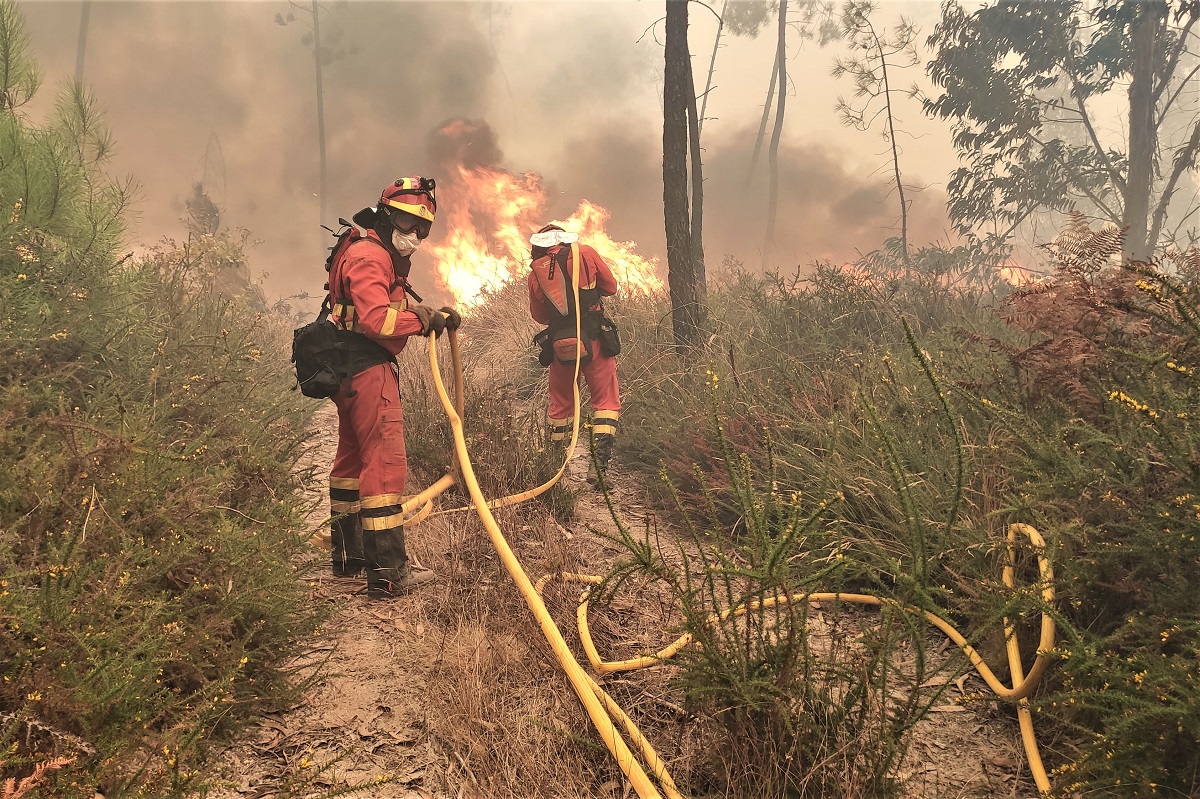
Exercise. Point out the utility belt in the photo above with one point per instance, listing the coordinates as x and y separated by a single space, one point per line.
559 342
360 353
357 352
326 354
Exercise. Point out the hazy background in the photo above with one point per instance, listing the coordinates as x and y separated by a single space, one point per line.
219 92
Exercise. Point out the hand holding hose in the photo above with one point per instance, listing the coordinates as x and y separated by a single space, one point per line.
453 320
431 321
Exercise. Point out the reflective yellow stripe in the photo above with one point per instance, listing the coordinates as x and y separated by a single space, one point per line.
382 522
604 429
344 507
382 500
607 415
344 482
559 428
338 310
389 322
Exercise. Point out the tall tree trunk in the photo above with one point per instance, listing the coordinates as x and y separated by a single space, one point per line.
762 125
891 122
320 106
699 285
680 271
773 152
712 63
81 49
1142 133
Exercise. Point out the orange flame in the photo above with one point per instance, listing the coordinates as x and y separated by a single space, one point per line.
489 215
1017 275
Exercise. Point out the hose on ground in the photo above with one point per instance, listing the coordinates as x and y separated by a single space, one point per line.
602 709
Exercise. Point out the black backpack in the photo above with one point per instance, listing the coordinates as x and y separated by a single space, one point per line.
316 352
324 354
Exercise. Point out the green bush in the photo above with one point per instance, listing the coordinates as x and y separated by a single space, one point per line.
146 595
1104 403
800 704
1070 406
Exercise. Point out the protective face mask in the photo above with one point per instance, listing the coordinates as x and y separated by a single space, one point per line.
405 243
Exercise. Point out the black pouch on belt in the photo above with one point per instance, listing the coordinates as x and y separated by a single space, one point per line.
610 338
545 348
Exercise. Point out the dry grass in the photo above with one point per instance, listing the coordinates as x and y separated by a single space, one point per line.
497 704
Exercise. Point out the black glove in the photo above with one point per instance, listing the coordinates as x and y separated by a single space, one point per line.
453 320
431 321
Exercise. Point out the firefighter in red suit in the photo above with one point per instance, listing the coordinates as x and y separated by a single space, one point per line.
370 295
599 371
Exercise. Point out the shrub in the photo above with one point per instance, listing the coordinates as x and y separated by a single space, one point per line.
1070 407
146 596
1104 406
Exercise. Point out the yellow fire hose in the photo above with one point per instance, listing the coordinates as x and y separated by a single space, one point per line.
600 707
584 686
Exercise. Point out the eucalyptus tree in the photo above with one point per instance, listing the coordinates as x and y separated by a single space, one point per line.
325 52
1015 75
813 18
81 47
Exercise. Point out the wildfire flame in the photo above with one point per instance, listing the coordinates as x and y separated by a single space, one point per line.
489 215
1017 275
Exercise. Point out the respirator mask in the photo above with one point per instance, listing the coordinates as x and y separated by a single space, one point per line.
405 243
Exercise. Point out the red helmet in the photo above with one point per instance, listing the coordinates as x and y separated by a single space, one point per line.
411 196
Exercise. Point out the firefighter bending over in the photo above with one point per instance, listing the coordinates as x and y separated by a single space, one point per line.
551 303
369 294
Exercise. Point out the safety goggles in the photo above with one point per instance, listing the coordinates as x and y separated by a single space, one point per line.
409 223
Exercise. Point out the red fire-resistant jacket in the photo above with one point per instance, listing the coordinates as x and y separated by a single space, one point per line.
593 273
369 298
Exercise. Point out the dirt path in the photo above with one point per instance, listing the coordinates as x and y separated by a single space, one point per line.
363 715
449 693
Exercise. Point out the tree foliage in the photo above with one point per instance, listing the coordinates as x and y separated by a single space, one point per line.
1027 86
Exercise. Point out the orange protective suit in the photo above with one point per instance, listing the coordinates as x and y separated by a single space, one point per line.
370 469
600 374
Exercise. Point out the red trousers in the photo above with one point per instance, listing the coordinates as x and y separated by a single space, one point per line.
371 433
371 457
601 378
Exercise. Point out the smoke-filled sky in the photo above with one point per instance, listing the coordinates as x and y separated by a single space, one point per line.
219 92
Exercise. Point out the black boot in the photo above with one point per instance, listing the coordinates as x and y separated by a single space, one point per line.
387 583
388 571
345 532
602 447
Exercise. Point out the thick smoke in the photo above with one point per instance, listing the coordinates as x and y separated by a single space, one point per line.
218 92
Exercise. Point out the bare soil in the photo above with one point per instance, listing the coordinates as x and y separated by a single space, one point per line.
452 692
